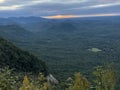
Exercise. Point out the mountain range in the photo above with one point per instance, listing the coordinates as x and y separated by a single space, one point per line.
66 43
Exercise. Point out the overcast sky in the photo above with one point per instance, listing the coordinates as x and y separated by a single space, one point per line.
10 8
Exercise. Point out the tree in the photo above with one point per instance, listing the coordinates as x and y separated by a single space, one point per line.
69 83
42 83
98 73
27 85
105 78
8 80
109 79
80 83
46 86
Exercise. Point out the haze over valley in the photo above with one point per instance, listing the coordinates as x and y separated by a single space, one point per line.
62 44
59 45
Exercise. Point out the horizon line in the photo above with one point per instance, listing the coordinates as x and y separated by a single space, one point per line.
80 16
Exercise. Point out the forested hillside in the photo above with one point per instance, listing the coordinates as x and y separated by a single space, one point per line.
14 32
90 42
18 59
68 46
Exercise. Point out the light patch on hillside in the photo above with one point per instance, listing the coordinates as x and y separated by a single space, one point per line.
95 50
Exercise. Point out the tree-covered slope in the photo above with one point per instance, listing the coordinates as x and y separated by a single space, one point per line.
19 60
14 32
62 27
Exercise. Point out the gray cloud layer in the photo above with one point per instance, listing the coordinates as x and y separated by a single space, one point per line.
10 8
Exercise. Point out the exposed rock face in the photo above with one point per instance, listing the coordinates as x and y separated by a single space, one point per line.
52 79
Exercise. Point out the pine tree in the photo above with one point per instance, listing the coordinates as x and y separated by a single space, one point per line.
69 83
27 85
80 82
42 83
105 78
8 79
98 73
47 86
109 79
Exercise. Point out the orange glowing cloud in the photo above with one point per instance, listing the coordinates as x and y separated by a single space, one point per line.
60 16
80 16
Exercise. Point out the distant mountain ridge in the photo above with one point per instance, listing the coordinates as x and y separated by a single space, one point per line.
27 19
33 19
61 49
37 24
14 32
62 27
6 21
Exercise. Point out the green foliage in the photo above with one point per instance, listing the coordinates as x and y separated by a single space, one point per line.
41 80
19 60
61 50
39 84
70 83
8 80
80 83
27 85
105 78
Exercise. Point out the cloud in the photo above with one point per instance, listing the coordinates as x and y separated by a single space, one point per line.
1 1
80 16
101 5
56 7
12 7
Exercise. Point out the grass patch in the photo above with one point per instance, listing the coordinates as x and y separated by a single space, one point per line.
95 50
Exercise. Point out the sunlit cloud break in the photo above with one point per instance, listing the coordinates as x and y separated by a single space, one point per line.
80 16
12 7
76 8
1 1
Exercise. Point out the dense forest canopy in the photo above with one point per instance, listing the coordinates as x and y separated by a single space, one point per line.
89 43
18 59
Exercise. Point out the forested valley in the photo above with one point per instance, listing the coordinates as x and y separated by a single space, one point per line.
65 54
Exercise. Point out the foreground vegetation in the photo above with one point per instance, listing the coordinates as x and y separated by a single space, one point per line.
104 79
